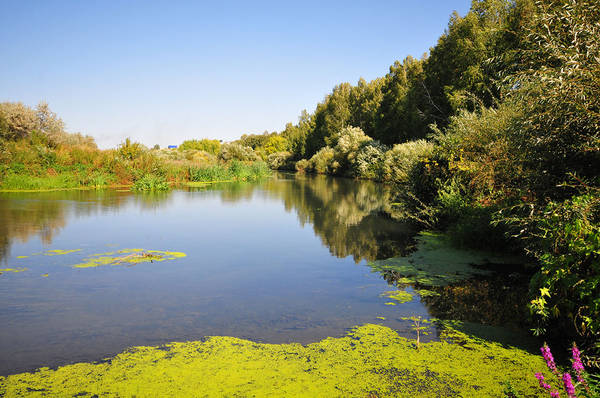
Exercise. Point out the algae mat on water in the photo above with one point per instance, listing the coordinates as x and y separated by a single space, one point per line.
128 256
435 262
370 361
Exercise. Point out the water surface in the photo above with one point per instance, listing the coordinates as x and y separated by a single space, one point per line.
277 261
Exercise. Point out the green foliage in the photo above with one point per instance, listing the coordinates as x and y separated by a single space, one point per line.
235 151
236 170
130 150
27 182
324 162
559 87
280 160
402 158
275 143
151 182
369 161
211 146
565 238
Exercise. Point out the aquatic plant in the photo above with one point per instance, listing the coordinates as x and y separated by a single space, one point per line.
435 262
370 360
400 296
128 257
12 270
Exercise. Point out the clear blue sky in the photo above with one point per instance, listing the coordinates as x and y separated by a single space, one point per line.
164 71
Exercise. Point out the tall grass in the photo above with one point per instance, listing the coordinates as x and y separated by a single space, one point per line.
27 182
151 182
235 170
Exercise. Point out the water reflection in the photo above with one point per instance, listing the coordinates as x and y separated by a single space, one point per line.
271 261
352 218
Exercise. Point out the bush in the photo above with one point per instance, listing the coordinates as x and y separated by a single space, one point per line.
403 158
369 161
280 160
130 150
565 238
302 165
211 146
18 120
151 182
275 144
324 162
234 151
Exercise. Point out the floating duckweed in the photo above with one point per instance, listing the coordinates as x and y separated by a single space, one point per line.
437 263
381 317
426 293
45 275
22 256
59 252
399 295
130 257
12 270
372 360
390 303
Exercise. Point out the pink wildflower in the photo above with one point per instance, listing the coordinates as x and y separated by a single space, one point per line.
543 384
554 394
577 364
549 358
569 388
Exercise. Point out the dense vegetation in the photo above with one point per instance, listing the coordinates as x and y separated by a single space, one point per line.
494 136
36 153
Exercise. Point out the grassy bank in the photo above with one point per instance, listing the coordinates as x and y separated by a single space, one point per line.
371 361
34 163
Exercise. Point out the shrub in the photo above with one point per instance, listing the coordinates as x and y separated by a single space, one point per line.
211 146
369 161
279 160
565 238
403 158
151 182
130 150
324 162
235 151
18 120
302 165
275 144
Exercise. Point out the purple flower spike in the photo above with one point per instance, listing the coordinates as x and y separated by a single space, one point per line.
543 384
577 364
554 394
569 388
549 358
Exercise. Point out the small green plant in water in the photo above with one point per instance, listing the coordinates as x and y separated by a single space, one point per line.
419 326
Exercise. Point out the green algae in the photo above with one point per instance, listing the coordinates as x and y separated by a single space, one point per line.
22 257
45 275
2 270
437 263
381 317
371 360
128 257
390 303
426 293
59 252
400 296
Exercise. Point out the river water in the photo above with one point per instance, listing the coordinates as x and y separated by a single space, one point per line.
281 260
